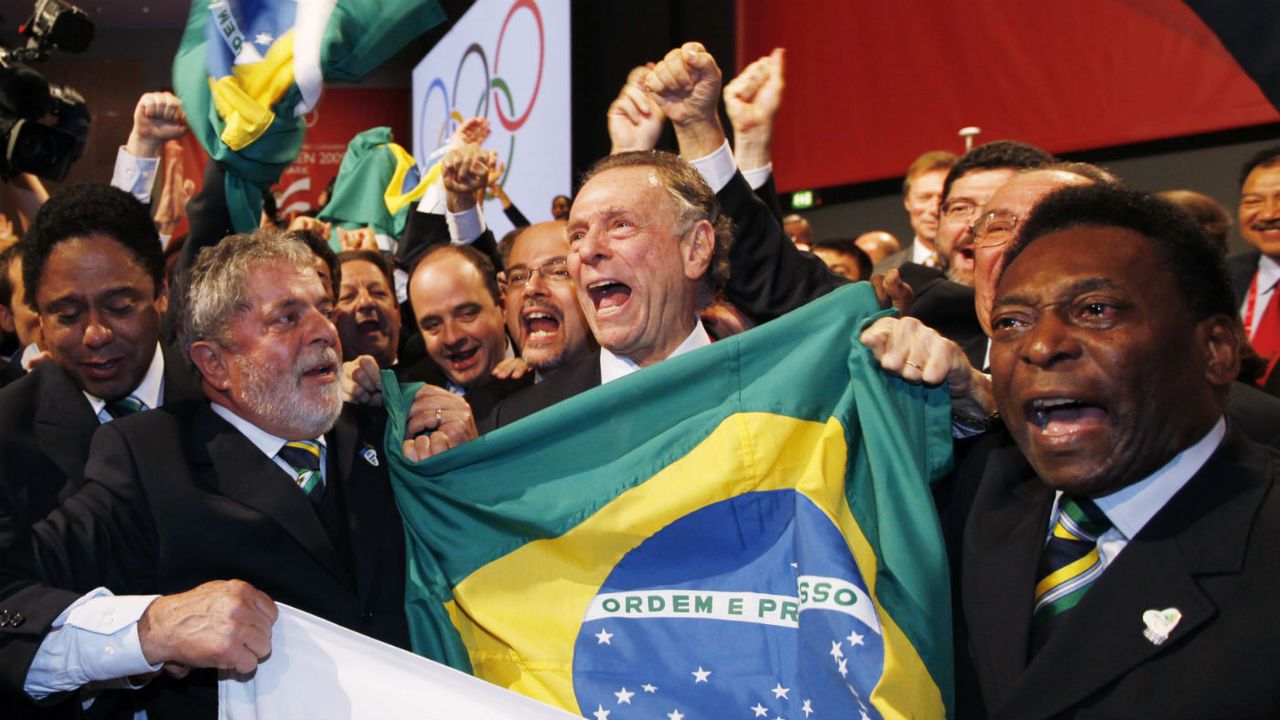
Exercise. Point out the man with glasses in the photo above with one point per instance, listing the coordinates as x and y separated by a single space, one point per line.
541 303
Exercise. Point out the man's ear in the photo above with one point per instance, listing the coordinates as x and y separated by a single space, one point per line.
1220 338
7 322
697 249
211 361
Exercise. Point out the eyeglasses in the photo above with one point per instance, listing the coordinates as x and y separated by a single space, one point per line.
994 229
553 271
957 210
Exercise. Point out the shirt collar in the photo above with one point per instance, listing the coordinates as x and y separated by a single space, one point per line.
150 391
922 255
613 366
266 442
1268 274
1132 507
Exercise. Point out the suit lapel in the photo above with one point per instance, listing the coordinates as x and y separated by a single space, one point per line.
64 424
1002 572
1204 529
366 492
236 468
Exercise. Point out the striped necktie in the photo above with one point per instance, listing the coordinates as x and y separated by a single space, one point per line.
1069 563
125 406
304 457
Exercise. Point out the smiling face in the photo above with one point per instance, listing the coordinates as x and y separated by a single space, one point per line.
964 204
542 313
99 314
368 318
922 202
1100 372
279 368
1259 210
638 270
460 320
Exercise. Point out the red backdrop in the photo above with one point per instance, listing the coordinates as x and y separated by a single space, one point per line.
871 85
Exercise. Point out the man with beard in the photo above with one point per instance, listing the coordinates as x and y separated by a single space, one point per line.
541 303
269 481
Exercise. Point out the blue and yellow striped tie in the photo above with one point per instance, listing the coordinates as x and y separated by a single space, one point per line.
1069 563
304 457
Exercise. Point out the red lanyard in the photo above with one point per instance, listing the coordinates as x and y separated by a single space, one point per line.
1250 304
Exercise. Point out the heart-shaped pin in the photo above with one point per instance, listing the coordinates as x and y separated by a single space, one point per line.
1160 623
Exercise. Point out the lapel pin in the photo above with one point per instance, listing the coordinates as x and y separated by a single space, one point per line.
1160 623
370 455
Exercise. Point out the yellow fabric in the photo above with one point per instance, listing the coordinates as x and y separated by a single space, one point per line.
244 98
396 200
508 597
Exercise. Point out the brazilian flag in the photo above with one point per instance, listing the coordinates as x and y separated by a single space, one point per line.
742 531
247 70
376 182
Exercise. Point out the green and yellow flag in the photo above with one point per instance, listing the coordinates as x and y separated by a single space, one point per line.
247 71
747 528
377 181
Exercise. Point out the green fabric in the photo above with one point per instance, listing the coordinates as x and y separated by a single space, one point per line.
359 192
360 36
542 476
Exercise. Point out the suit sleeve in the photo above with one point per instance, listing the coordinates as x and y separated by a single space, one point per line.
101 536
426 230
768 274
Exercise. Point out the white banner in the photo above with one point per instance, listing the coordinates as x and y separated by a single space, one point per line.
321 670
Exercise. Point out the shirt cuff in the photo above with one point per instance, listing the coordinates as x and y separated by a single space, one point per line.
134 175
94 639
465 226
757 177
717 168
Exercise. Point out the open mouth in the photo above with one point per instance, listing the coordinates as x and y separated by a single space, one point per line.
1266 228
608 296
101 368
324 372
1061 417
464 359
539 323
369 327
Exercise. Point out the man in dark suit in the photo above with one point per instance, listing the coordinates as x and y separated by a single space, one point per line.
94 271
1170 511
270 482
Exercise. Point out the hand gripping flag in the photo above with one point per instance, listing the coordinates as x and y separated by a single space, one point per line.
376 182
247 70
742 531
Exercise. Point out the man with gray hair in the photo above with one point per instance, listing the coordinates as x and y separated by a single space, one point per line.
269 480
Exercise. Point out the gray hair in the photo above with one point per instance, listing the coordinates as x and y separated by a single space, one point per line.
217 289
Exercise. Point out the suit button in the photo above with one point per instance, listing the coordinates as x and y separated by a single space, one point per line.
367 617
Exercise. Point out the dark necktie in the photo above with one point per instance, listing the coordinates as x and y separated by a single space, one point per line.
1069 564
125 406
304 457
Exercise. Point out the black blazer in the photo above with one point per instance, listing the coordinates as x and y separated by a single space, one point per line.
560 385
1241 269
9 372
46 425
947 307
1210 553
176 497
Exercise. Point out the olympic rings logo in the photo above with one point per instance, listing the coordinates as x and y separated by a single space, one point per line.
442 101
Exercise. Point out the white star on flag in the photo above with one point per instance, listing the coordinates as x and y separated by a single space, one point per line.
624 697
843 667
649 688
836 652
677 715
760 710
700 675
601 713
263 39
854 638
603 637
807 708
780 692
862 715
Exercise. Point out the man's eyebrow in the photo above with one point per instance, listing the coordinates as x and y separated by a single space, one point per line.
1075 288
